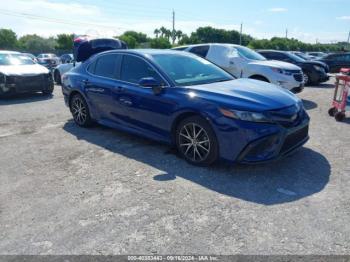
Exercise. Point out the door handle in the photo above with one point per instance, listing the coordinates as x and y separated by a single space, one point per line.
125 101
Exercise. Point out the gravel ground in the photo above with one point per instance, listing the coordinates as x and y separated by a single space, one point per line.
68 190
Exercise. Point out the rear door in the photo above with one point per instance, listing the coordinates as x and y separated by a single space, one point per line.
101 83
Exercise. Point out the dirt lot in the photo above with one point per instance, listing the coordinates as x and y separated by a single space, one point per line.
67 190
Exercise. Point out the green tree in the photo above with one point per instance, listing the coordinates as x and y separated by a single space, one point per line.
37 44
156 32
65 41
8 39
160 43
129 40
139 37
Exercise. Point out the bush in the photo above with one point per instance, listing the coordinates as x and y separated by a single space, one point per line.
160 43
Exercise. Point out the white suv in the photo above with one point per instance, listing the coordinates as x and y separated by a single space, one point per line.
243 62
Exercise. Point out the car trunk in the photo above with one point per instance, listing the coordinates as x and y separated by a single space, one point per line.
83 48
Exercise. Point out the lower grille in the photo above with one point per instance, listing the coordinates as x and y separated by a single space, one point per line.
31 83
298 77
294 139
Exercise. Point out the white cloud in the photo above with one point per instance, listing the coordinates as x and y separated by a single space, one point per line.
277 9
344 17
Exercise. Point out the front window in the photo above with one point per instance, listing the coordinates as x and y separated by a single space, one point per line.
249 54
187 70
15 59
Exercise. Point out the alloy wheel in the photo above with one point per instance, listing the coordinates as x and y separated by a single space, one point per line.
79 111
194 142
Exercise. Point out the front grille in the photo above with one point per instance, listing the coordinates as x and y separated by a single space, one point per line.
298 77
294 139
31 83
288 117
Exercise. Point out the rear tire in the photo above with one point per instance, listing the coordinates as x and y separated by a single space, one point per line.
196 141
80 111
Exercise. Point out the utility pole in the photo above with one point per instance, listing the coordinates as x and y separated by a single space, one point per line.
173 32
287 33
349 38
240 34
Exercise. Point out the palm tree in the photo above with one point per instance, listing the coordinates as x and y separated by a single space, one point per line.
157 32
163 31
167 34
178 35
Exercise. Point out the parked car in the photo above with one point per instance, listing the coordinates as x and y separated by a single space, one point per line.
85 44
50 61
316 54
19 74
303 55
181 99
243 62
66 58
314 72
31 56
67 63
336 61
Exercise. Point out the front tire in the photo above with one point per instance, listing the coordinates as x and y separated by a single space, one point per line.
260 78
340 116
80 111
48 91
196 141
57 77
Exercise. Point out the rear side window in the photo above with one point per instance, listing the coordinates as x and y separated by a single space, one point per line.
134 69
201 51
106 66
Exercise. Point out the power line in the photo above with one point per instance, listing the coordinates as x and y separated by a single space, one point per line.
56 20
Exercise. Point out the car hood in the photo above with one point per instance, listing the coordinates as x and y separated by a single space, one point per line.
276 64
23 70
246 94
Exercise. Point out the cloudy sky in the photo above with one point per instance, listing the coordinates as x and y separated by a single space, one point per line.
307 20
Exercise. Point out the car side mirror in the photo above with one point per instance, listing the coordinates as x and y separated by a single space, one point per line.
152 83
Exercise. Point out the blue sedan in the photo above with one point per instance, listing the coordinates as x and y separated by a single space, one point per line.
185 101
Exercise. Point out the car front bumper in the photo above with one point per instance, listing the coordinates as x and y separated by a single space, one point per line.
25 84
249 143
289 83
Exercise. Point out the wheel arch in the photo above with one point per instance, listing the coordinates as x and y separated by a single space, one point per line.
259 77
183 115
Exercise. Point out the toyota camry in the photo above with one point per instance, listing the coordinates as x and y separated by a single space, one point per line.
183 100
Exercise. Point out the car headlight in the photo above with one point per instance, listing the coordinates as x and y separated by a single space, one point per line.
281 71
318 68
245 115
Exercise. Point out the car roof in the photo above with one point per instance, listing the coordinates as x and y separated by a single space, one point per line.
270 50
8 52
212 44
144 52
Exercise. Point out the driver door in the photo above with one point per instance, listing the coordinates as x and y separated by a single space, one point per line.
138 107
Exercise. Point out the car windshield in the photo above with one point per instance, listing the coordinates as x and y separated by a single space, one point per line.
303 56
249 54
295 57
187 70
15 59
